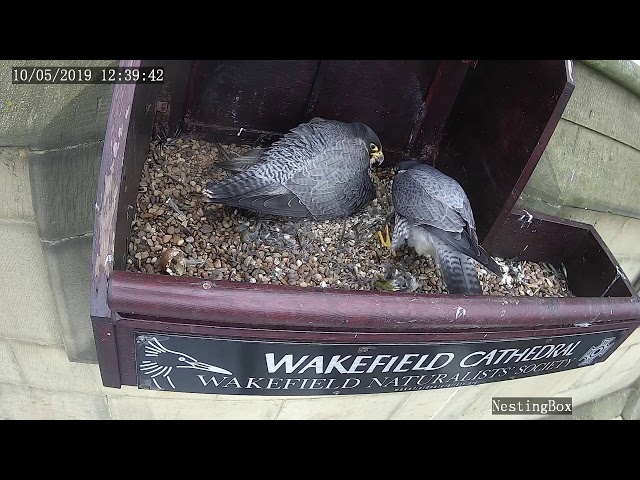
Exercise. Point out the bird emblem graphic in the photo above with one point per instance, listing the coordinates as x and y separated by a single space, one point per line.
160 362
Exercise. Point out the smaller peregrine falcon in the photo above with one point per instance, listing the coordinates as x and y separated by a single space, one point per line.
433 215
318 170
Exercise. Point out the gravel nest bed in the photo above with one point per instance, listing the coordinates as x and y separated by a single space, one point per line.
175 228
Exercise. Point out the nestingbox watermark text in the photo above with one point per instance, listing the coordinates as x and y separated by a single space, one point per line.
531 405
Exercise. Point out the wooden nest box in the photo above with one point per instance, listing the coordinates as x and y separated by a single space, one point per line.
484 123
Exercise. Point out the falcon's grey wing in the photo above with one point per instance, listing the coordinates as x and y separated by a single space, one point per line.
335 183
308 172
421 201
427 196
430 199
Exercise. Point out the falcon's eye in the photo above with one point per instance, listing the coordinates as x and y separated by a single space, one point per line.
373 147
181 359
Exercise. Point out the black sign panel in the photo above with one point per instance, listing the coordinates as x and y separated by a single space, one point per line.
240 367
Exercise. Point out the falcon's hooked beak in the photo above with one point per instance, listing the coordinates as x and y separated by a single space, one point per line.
376 158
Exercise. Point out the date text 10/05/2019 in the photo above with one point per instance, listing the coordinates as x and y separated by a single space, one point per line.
86 75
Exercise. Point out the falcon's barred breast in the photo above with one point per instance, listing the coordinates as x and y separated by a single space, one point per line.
433 214
318 170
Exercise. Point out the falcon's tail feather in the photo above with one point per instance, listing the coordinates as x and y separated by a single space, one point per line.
458 270
488 261
468 246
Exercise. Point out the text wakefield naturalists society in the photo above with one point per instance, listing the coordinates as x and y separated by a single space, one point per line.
421 369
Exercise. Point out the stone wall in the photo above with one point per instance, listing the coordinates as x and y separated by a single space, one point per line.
50 147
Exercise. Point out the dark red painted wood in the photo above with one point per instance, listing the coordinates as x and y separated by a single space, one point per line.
424 141
271 306
104 334
591 267
108 193
266 99
137 147
501 122
171 103
387 95
125 147
259 94
127 328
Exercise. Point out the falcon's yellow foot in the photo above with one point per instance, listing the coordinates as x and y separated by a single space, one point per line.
386 242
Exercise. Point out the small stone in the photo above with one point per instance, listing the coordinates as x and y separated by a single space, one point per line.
317 277
170 230
303 284
180 242
189 239
217 264
226 223
166 239
206 229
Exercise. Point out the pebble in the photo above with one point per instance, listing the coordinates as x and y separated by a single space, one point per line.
237 246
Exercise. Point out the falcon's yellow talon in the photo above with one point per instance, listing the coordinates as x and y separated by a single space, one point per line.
386 242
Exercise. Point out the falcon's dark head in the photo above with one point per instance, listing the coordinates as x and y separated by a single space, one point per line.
373 143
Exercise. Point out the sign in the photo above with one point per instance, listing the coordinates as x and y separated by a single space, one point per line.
239 367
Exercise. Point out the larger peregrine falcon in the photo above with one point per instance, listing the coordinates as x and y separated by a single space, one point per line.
433 215
318 170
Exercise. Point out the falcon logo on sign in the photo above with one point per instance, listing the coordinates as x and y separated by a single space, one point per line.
163 361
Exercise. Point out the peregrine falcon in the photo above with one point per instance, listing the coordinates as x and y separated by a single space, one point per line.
433 214
318 170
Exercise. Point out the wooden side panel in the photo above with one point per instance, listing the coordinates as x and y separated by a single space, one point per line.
126 144
136 148
591 271
536 237
502 120
427 132
591 268
108 194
